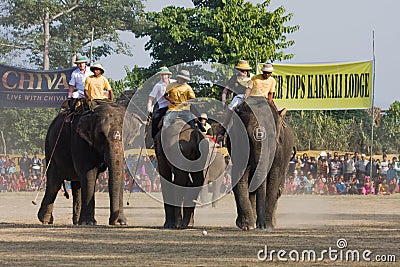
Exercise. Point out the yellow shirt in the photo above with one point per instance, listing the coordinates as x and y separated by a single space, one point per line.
262 86
180 93
95 86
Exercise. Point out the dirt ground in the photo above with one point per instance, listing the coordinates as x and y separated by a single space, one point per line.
304 223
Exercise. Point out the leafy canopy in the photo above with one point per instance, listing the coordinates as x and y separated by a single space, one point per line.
218 31
70 31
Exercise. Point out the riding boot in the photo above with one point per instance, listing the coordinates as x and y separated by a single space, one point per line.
226 122
71 109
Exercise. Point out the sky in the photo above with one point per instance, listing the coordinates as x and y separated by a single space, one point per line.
330 31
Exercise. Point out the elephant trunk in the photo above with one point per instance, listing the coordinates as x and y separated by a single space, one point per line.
115 161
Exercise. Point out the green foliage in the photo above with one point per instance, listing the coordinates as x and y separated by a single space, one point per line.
219 31
389 129
348 130
70 32
25 129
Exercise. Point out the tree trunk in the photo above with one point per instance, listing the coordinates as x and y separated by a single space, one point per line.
4 142
46 27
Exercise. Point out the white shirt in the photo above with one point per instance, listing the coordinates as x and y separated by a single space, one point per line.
158 93
78 80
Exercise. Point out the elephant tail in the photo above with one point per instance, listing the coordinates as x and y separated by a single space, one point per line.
65 190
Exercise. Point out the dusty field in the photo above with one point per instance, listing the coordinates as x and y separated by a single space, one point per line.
304 223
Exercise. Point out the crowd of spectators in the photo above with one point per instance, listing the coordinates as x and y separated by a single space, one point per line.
28 178
327 174
334 174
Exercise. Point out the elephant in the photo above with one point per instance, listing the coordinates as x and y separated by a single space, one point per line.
79 151
259 183
183 153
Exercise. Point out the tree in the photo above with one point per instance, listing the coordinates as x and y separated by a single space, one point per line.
218 31
25 129
59 29
388 131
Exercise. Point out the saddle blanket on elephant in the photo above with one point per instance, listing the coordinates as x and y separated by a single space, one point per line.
78 106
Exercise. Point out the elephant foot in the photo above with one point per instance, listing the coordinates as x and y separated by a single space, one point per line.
245 225
120 221
169 225
261 226
45 219
90 222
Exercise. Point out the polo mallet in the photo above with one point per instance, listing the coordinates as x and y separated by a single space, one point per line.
140 155
134 175
34 201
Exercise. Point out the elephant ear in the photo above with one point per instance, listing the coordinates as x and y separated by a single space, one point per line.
85 129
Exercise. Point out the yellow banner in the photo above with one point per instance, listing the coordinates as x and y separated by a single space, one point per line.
323 86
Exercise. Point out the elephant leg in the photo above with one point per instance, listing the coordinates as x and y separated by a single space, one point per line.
121 218
190 196
245 217
88 184
167 193
181 179
260 208
273 192
115 184
53 185
76 201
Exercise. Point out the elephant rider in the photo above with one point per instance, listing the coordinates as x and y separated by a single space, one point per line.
241 85
96 84
158 94
264 84
77 82
178 94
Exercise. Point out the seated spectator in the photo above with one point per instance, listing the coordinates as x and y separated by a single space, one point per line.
303 186
341 187
377 180
312 183
393 186
319 186
291 186
330 187
383 188
354 187
368 187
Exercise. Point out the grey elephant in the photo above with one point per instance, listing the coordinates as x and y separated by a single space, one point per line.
259 181
182 155
79 151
